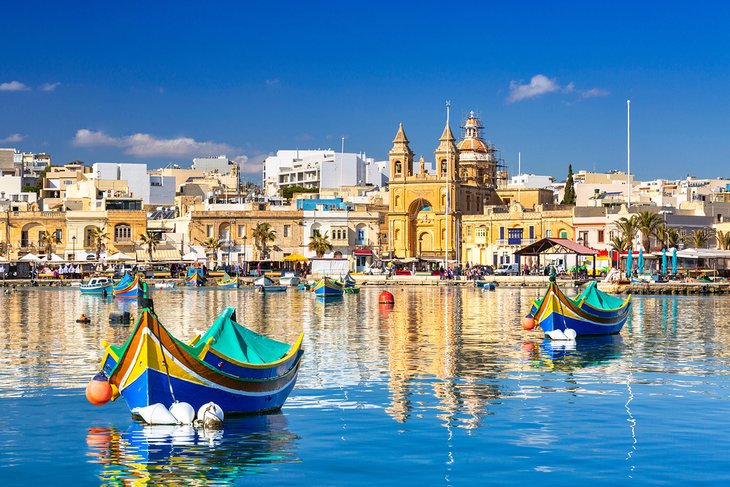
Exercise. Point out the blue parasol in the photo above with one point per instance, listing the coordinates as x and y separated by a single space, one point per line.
640 262
629 262
674 260
664 261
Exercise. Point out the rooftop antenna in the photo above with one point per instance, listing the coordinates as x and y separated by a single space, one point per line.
342 162
519 173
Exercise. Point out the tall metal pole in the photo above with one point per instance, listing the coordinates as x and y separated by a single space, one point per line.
519 172
628 153
446 254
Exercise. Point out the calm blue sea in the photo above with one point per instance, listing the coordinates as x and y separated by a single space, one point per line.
445 388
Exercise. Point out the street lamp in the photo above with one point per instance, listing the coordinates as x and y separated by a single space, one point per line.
73 239
230 231
245 261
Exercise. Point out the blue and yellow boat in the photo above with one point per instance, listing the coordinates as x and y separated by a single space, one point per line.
327 288
593 312
241 371
194 277
127 287
227 282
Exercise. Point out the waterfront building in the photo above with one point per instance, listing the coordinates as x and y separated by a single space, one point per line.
352 229
154 189
12 196
491 238
531 181
221 165
466 176
57 179
320 169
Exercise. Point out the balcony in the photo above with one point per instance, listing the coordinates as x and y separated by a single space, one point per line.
515 241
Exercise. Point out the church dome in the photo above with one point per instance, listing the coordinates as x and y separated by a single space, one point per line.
474 145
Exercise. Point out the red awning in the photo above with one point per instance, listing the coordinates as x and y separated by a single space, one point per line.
362 252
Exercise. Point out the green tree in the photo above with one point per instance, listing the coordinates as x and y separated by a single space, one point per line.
699 238
263 234
151 240
674 236
629 228
289 191
212 245
569 194
48 241
319 244
98 237
648 223
723 240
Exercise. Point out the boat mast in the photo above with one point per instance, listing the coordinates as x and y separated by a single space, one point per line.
446 254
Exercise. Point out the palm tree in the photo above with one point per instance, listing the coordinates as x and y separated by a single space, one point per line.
319 244
629 228
699 238
262 234
648 223
151 240
49 240
212 245
723 240
98 237
620 245
662 235
674 236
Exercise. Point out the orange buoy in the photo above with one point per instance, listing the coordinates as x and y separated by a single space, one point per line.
386 298
528 322
98 390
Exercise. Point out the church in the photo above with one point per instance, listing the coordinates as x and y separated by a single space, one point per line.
426 207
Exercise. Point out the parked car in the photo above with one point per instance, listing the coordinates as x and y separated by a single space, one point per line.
507 270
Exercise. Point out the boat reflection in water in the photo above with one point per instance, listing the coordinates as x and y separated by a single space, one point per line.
569 355
184 455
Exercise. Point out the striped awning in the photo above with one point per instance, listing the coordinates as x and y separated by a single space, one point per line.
160 255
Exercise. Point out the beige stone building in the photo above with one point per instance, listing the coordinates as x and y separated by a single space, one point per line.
426 207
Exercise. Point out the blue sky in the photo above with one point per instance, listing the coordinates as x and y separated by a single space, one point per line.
163 83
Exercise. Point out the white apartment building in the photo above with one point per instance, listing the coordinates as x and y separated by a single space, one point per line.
320 169
221 165
531 181
154 189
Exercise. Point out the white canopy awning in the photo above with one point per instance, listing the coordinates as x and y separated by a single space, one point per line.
53 258
119 257
31 257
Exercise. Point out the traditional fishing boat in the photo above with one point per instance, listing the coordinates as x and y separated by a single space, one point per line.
227 282
347 282
593 312
165 285
263 281
327 288
194 277
97 285
289 278
241 371
127 287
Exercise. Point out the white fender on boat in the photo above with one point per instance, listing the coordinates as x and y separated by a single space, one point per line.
211 415
155 414
183 412
556 335
570 334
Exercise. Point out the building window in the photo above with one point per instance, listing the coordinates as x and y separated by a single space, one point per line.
443 167
398 167
600 236
122 233
532 232
241 231
360 236
468 231
481 232
514 236
59 235
287 230
563 234
548 233
209 231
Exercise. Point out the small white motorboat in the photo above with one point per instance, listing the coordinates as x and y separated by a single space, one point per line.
97 285
165 285
289 279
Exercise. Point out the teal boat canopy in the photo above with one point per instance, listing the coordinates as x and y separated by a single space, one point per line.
592 296
239 343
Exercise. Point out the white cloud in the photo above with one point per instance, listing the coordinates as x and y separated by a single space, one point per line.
593 92
541 85
538 85
146 145
13 86
253 164
50 86
13 138
273 82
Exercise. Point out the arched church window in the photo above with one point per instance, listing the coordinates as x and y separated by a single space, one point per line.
398 167
443 167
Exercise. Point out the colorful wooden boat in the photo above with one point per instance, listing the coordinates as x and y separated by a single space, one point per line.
326 288
97 285
127 287
227 282
241 371
194 277
592 313
263 281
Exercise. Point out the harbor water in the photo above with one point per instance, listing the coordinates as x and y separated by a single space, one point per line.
444 388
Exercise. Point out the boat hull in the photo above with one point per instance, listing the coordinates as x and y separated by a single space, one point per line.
228 284
126 289
96 289
272 289
289 281
326 287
